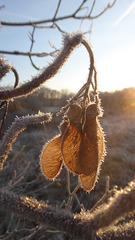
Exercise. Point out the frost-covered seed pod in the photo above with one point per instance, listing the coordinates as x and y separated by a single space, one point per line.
4 67
92 111
74 113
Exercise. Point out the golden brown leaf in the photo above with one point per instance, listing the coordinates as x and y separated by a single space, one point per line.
51 159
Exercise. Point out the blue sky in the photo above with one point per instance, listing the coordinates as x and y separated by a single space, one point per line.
112 39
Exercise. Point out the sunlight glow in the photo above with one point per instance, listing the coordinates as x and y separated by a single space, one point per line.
116 70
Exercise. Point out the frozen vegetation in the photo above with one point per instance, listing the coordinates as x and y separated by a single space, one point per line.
22 174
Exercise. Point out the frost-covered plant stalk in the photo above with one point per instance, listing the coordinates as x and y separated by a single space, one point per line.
4 67
19 125
85 225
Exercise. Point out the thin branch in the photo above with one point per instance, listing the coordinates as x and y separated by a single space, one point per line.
34 233
70 16
91 10
105 9
81 21
51 26
57 9
42 54
17 179
79 94
58 27
31 47
80 7
106 195
30 23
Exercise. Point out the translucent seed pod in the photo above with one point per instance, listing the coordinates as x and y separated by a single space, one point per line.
51 159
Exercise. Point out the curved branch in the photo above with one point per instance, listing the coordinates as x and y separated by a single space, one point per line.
124 231
70 42
118 206
31 37
4 67
16 76
16 128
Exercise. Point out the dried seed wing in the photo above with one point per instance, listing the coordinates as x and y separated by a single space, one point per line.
88 182
91 149
51 159
70 148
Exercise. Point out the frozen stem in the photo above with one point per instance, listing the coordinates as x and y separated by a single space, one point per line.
19 125
80 226
69 44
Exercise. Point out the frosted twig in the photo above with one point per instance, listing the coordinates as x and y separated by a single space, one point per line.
16 128
102 199
124 231
106 214
17 179
17 154
35 233
4 67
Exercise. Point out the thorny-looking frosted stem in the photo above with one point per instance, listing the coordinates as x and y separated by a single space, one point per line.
81 226
124 231
70 42
16 128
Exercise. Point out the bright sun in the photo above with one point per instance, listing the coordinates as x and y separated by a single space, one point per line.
117 70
